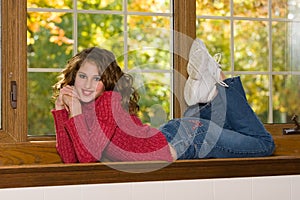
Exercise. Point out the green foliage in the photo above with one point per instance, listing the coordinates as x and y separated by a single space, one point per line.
251 51
50 45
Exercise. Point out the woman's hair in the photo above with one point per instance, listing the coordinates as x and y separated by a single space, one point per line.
113 78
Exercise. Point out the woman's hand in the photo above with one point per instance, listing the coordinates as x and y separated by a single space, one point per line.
68 99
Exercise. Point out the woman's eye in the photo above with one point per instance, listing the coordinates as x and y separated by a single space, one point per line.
97 79
82 76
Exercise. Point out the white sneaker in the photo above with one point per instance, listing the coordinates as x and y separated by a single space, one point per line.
198 91
204 72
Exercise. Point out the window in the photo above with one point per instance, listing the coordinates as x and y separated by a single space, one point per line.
14 38
138 32
16 147
275 70
259 40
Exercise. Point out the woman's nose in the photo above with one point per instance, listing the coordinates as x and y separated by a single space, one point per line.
88 83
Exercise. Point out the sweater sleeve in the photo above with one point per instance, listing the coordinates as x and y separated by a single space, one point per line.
64 144
90 141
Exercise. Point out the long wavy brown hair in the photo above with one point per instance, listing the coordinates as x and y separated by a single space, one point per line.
113 78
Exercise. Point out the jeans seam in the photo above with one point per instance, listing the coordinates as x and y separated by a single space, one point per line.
266 149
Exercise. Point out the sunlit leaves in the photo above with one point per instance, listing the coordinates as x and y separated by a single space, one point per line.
162 6
253 34
50 39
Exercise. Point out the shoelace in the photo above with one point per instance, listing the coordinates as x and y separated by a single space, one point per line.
217 58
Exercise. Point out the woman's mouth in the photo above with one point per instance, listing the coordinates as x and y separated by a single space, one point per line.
86 92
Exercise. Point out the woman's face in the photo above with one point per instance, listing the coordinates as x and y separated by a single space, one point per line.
87 82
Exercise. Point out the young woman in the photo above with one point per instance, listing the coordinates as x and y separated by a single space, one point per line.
96 114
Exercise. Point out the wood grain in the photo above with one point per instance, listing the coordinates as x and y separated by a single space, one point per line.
25 163
37 164
95 173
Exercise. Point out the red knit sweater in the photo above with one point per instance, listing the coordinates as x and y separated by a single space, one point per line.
105 129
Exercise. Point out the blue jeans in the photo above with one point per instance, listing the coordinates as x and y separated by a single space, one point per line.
226 127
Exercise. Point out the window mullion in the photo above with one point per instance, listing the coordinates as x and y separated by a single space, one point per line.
184 34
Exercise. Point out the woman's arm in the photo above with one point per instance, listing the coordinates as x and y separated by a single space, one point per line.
64 144
62 112
90 142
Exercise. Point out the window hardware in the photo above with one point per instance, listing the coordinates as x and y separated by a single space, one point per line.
296 130
13 94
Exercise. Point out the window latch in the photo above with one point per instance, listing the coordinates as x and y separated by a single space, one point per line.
296 130
13 94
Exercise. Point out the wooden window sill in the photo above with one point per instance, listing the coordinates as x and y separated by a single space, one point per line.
95 173
37 163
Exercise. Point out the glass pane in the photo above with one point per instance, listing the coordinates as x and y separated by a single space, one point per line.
286 93
280 8
159 6
61 4
219 42
286 46
149 42
100 4
49 46
251 50
213 8
40 120
49 39
280 46
105 31
288 9
257 92
154 90
294 39
250 8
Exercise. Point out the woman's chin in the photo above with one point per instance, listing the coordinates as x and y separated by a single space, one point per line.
87 99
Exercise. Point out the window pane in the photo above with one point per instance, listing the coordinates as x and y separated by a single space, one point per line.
294 36
62 4
49 39
149 42
105 31
100 4
40 121
49 45
155 93
219 42
257 93
251 50
286 46
250 8
280 46
159 6
280 8
213 8
149 58
286 93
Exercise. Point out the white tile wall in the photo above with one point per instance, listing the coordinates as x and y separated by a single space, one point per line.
280 187
237 188
256 188
295 188
189 190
